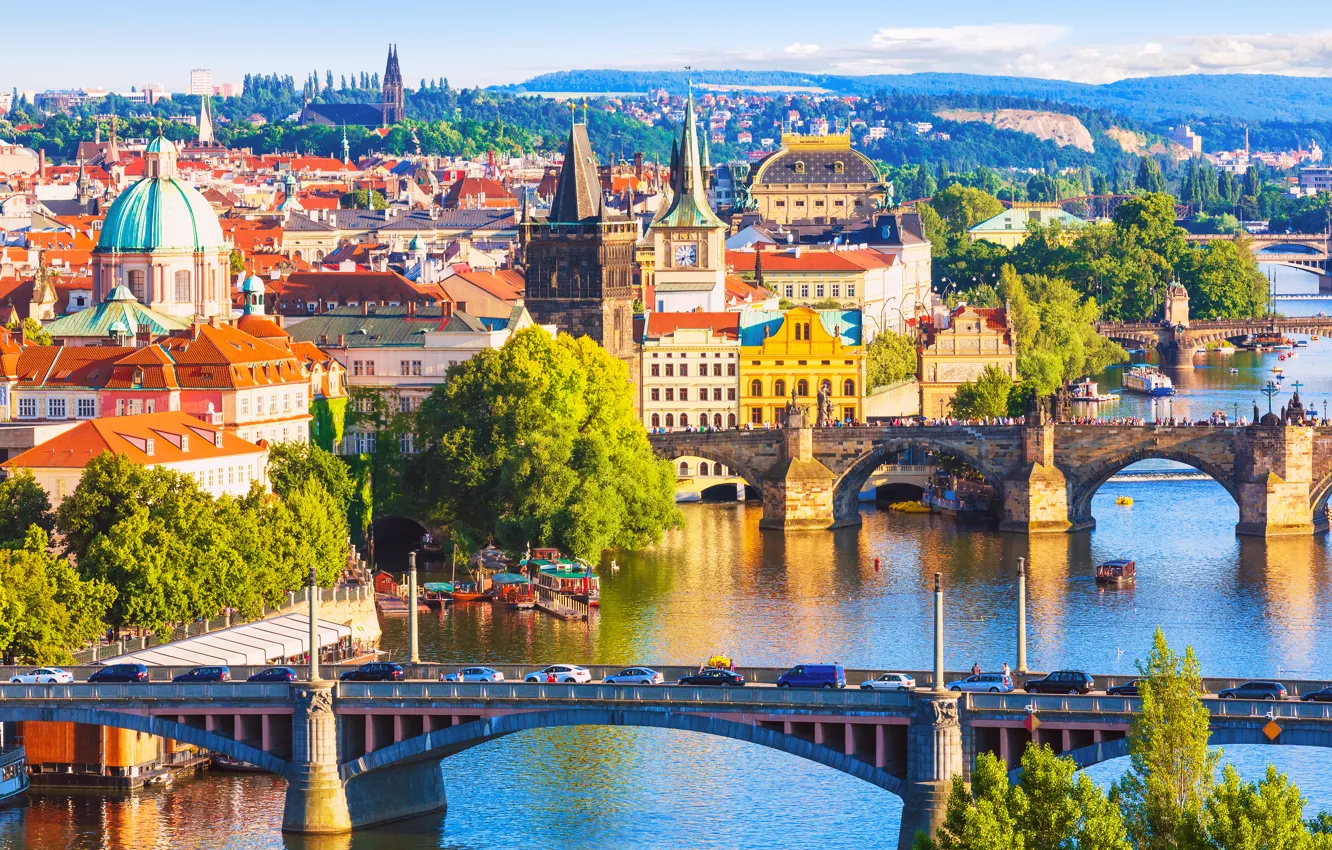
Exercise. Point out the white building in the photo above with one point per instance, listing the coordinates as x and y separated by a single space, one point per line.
201 81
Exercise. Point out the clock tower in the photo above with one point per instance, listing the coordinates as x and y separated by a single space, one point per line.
688 240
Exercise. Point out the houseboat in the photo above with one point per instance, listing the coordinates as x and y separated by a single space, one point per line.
1116 572
513 591
1145 379
573 577
13 774
1087 392
437 594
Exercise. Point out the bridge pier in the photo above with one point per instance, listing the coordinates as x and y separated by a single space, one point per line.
316 801
1178 354
798 489
934 757
1275 480
1036 495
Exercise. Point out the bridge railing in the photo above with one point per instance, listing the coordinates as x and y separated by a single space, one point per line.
148 691
1128 705
518 691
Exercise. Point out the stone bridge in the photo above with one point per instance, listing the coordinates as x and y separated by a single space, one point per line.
356 754
1176 345
1044 475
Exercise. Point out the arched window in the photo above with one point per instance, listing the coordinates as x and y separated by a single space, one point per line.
779 388
704 469
798 331
730 420
684 420
848 387
183 295
670 420
684 468
138 283
756 388
656 420
802 387
716 421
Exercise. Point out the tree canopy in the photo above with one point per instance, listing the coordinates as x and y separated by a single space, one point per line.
45 607
889 358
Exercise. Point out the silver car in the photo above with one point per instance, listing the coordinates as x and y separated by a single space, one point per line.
634 676
475 674
985 683
890 682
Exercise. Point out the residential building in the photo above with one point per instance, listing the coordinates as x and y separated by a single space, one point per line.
957 348
691 370
1010 227
219 461
815 178
1314 180
311 293
59 383
1184 136
201 82
689 253
485 294
800 352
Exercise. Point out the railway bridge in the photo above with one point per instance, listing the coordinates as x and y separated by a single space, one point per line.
1044 474
357 753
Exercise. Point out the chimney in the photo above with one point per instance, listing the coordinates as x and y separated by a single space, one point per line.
143 336
342 340
365 308
411 309
445 309
41 164
194 330
214 322
22 334
323 339
638 165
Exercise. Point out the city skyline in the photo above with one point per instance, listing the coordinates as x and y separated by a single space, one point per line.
1069 43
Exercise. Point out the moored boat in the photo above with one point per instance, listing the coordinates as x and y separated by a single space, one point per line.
513 591
437 594
571 576
13 774
469 592
1145 379
1087 392
1117 572
227 764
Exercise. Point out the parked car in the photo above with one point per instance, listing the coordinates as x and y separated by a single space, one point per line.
1128 689
205 674
121 673
375 671
43 675
475 674
890 682
1325 695
813 676
713 676
274 674
1255 690
1061 682
994 683
634 676
565 674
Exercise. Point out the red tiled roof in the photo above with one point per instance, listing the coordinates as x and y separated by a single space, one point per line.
77 366
660 324
129 435
811 261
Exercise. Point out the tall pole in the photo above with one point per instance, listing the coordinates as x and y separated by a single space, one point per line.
1022 616
411 604
938 632
314 626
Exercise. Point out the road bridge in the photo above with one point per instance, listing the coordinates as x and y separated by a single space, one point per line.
360 753
1044 475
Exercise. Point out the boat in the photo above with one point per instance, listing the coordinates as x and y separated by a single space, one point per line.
571 576
1285 346
1124 501
1116 572
13 774
910 508
437 594
513 591
1145 379
1303 343
1234 371
1087 392
227 764
469 592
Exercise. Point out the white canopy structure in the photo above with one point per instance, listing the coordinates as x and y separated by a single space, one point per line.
261 642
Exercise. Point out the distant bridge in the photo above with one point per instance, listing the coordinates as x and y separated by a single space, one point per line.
1307 252
1177 345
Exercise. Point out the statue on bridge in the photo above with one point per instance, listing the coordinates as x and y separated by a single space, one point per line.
796 414
825 406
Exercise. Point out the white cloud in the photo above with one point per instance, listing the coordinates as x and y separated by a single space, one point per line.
967 39
801 49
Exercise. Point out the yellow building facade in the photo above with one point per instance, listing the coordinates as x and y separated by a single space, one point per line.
800 351
950 355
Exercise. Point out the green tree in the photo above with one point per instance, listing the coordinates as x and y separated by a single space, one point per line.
1152 216
1042 188
1268 816
889 358
985 397
963 207
979 818
292 464
1171 770
23 504
1150 178
537 442
45 608
33 332
1223 281
237 262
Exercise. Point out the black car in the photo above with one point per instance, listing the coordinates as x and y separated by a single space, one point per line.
377 671
274 674
120 673
1061 682
220 673
1255 690
713 676
1325 695
1128 689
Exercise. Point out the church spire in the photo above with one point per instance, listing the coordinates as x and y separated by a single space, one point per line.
206 120
578 191
689 202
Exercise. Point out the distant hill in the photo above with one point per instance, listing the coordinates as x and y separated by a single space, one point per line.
1246 97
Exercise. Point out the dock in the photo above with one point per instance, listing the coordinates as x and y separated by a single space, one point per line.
389 605
559 604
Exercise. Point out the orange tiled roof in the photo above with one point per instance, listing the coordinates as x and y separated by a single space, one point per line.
724 324
175 437
810 260
78 366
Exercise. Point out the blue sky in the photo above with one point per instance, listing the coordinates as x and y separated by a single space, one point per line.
87 44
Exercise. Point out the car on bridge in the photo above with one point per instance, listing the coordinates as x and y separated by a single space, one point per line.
565 674
634 676
217 673
992 683
1130 688
1255 690
43 675
375 671
1325 695
274 674
890 682
813 676
475 674
713 676
1061 682
121 674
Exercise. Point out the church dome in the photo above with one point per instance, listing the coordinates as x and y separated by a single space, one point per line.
253 284
160 212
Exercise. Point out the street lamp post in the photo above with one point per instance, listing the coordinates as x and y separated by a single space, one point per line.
314 626
411 605
1022 616
938 633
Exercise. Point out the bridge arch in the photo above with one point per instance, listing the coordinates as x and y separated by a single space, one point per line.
151 725
1084 483
712 453
846 490
442 743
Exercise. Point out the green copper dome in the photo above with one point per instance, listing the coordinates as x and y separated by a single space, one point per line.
160 214
253 284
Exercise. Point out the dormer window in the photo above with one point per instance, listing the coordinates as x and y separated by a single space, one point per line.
138 376
839 167
799 166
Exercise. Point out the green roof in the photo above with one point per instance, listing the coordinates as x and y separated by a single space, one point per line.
1017 219
689 202
160 214
121 308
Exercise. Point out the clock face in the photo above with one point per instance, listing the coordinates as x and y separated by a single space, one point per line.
686 255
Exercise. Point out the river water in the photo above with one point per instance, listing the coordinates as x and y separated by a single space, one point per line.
1248 607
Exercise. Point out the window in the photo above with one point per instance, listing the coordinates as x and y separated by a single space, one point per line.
670 421
798 331
716 423
802 387
836 290
120 407
286 402
245 405
369 367
818 203
839 167
405 405
779 386
730 370
656 369
86 408
848 387
416 367
730 420
730 393
839 203
716 370
684 420
756 415
790 290
850 290
150 406
684 468
670 394
407 444
684 370
807 336
818 290
684 394
656 394
716 393
799 168
55 408
357 367
272 403
183 295
781 203
27 408
670 370
756 388
804 290
656 420
138 283
405 366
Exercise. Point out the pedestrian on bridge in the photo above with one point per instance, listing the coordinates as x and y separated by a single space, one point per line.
975 669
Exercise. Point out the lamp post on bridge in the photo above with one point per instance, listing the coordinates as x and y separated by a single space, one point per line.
1022 616
314 626
938 633
411 605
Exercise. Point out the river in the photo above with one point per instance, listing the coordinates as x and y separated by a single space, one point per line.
1249 607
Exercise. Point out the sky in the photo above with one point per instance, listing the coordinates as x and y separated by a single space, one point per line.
481 44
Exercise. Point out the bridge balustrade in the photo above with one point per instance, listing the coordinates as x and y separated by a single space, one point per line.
147 691
635 693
